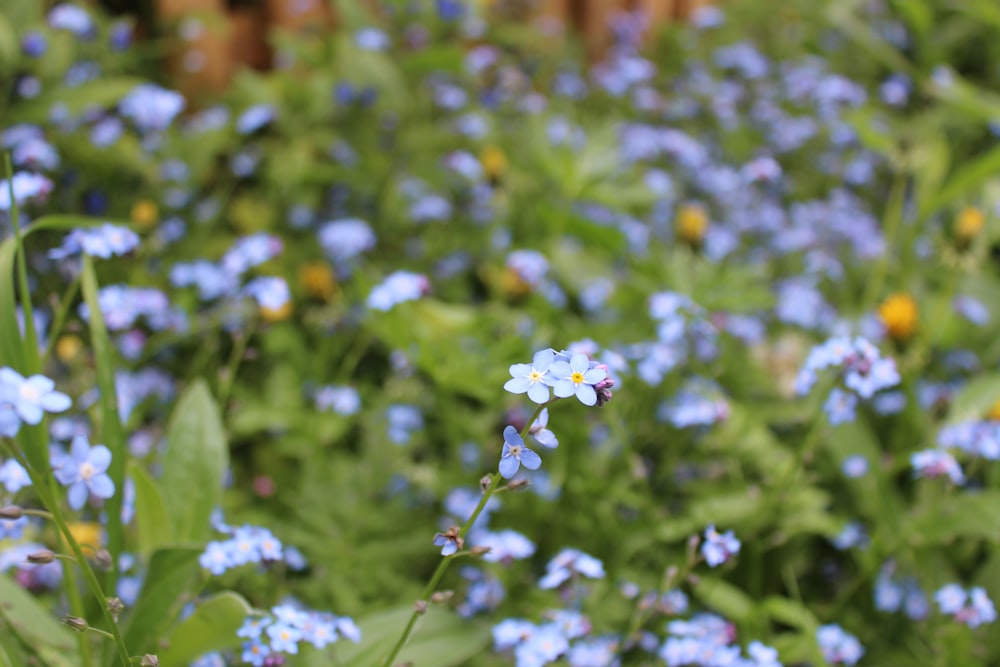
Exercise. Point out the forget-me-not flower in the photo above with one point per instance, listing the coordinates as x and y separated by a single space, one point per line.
515 454
576 378
533 378
84 471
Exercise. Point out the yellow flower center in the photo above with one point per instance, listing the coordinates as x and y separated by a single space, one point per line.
534 376
969 223
28 392
87 471
899 314
691 223
994 412
576 377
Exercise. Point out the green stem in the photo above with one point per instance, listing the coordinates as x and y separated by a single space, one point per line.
445 562
65 304
235 359
40 484
891 220
31 360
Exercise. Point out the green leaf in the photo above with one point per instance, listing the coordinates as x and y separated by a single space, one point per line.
970 515
966 180
112 435
35 624
975 399
725 598
211 627
195 462
105 92
441 638
172 580
152 519
791 613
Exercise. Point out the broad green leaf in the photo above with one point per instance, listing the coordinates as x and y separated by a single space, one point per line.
112 435
975 399
35 623
194 463
173 579
965 180
440 639
211 627
790 613
969 515
155 527
725 598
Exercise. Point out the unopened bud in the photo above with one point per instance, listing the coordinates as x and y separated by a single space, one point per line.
11 512
41 557
441 596
103 559
115 606
76 623
149 660
485 482
517 484
479 551
420 606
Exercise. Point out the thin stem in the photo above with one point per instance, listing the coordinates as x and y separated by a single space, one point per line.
65 304
446 561
31 359
40 484
235 359
891 221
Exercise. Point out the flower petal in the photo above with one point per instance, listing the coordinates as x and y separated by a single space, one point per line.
517 385
586 394
520 370
543 359
579 363
564 388
509 466
77 495
102 486
538 392
530 459
560 369
56 402
594 375
100 458
511 437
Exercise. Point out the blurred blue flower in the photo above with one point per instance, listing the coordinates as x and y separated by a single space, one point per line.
103 241
29 398
838 647
151 107
568 563
719 548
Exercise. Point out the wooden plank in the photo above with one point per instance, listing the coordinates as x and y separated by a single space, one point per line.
657 11
201 30
248 41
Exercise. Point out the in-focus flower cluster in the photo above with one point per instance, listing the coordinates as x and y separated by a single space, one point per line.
567 374
247 544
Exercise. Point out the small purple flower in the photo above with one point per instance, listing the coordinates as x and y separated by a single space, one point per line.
104 241
577 378
515 454
284 638
839 406
566 564
932 463
84 471
532 378
450 542
838 647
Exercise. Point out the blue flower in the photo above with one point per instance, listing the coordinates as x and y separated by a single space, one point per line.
284 637
515 454
576 378
533 378
450 541
839 406
837 646
104 241
29 397
540 432
719 548
84 471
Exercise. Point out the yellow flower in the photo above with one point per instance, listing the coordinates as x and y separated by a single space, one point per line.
899 314
86 532
145 214
68 348
277 314
691 223
993 414
513 284
494 163
318 281
968 224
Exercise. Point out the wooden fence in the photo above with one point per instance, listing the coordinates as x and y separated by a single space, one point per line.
217 39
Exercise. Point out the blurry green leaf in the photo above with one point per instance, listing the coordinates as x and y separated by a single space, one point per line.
975 399
440 639
971 515
211 627
10 50
790 613
172 580
966 179
194 463
36 624
725 598
100 93
112 435
155 527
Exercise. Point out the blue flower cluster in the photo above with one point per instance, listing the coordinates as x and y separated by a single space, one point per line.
838 647
282 631
103 241
719 548
972 607
566 373
247 544
707 640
